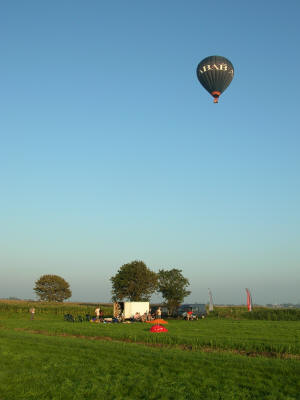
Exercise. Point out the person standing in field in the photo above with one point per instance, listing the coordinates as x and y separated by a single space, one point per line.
97 312
32 312
158 313
189 315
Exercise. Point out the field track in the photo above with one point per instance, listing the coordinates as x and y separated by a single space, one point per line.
181 347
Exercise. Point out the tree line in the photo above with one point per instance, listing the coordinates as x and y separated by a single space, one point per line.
134 281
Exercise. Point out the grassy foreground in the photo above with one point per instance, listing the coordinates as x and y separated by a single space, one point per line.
42 367
47 366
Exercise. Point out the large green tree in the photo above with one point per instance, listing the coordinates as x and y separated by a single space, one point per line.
52 288
134 281
173 287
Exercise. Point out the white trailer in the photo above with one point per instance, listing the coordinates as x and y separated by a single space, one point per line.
127 309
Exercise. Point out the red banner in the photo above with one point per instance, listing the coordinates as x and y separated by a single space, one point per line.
249 300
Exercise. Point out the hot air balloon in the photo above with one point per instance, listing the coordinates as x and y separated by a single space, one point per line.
215 74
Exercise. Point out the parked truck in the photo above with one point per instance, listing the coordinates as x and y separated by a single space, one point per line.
127 309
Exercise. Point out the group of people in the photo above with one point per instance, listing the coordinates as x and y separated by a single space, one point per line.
144 317
147 316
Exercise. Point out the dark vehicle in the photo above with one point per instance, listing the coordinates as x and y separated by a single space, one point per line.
198 310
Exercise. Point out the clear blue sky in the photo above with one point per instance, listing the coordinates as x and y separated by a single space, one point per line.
111 150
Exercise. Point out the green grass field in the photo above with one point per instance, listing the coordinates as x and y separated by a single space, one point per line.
250 336
49 358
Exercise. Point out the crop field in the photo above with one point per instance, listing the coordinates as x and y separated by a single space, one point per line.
12 307
213 358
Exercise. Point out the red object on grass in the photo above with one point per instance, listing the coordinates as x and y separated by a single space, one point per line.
158 328
157 321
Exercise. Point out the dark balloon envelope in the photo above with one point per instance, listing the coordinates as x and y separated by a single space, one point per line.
215 74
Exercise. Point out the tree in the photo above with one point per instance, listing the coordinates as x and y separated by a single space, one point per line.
172 285
52 288
134 281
